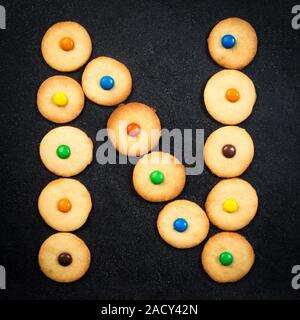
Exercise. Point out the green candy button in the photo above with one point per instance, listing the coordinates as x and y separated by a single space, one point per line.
63 151
226 258
157 177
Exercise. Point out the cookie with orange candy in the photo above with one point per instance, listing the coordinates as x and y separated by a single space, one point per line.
229 96
65 204
66 46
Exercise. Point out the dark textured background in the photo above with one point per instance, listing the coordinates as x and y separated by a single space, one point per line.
163 43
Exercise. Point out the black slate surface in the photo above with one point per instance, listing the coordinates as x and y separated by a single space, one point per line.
164 45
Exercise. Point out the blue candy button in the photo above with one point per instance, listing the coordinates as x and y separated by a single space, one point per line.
228 41
180 225
107 82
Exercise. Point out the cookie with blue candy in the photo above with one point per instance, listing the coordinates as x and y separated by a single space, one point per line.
106 81
232 43
182 224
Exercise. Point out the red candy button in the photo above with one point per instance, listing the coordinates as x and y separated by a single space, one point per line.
133 129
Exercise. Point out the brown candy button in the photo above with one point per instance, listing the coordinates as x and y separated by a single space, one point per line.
65 259
229 151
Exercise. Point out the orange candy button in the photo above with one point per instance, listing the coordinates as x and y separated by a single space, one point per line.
64 205
67 44
133 129
232 95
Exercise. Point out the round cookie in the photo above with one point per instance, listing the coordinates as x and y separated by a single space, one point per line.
60 99
158 177
229 96
231 204
227 257
228 151
232 43
182 224
66 151
106 81
65 204
64 257
66 46
134 129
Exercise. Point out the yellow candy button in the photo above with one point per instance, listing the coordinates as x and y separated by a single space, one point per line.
230 205
60 99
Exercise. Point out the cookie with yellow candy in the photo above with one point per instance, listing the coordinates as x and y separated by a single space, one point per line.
65 204
66 46
227 257
134 129
66 151
60 99
158 176
106 81
231 204
228 151
229 96
232 43
182 224
64 257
